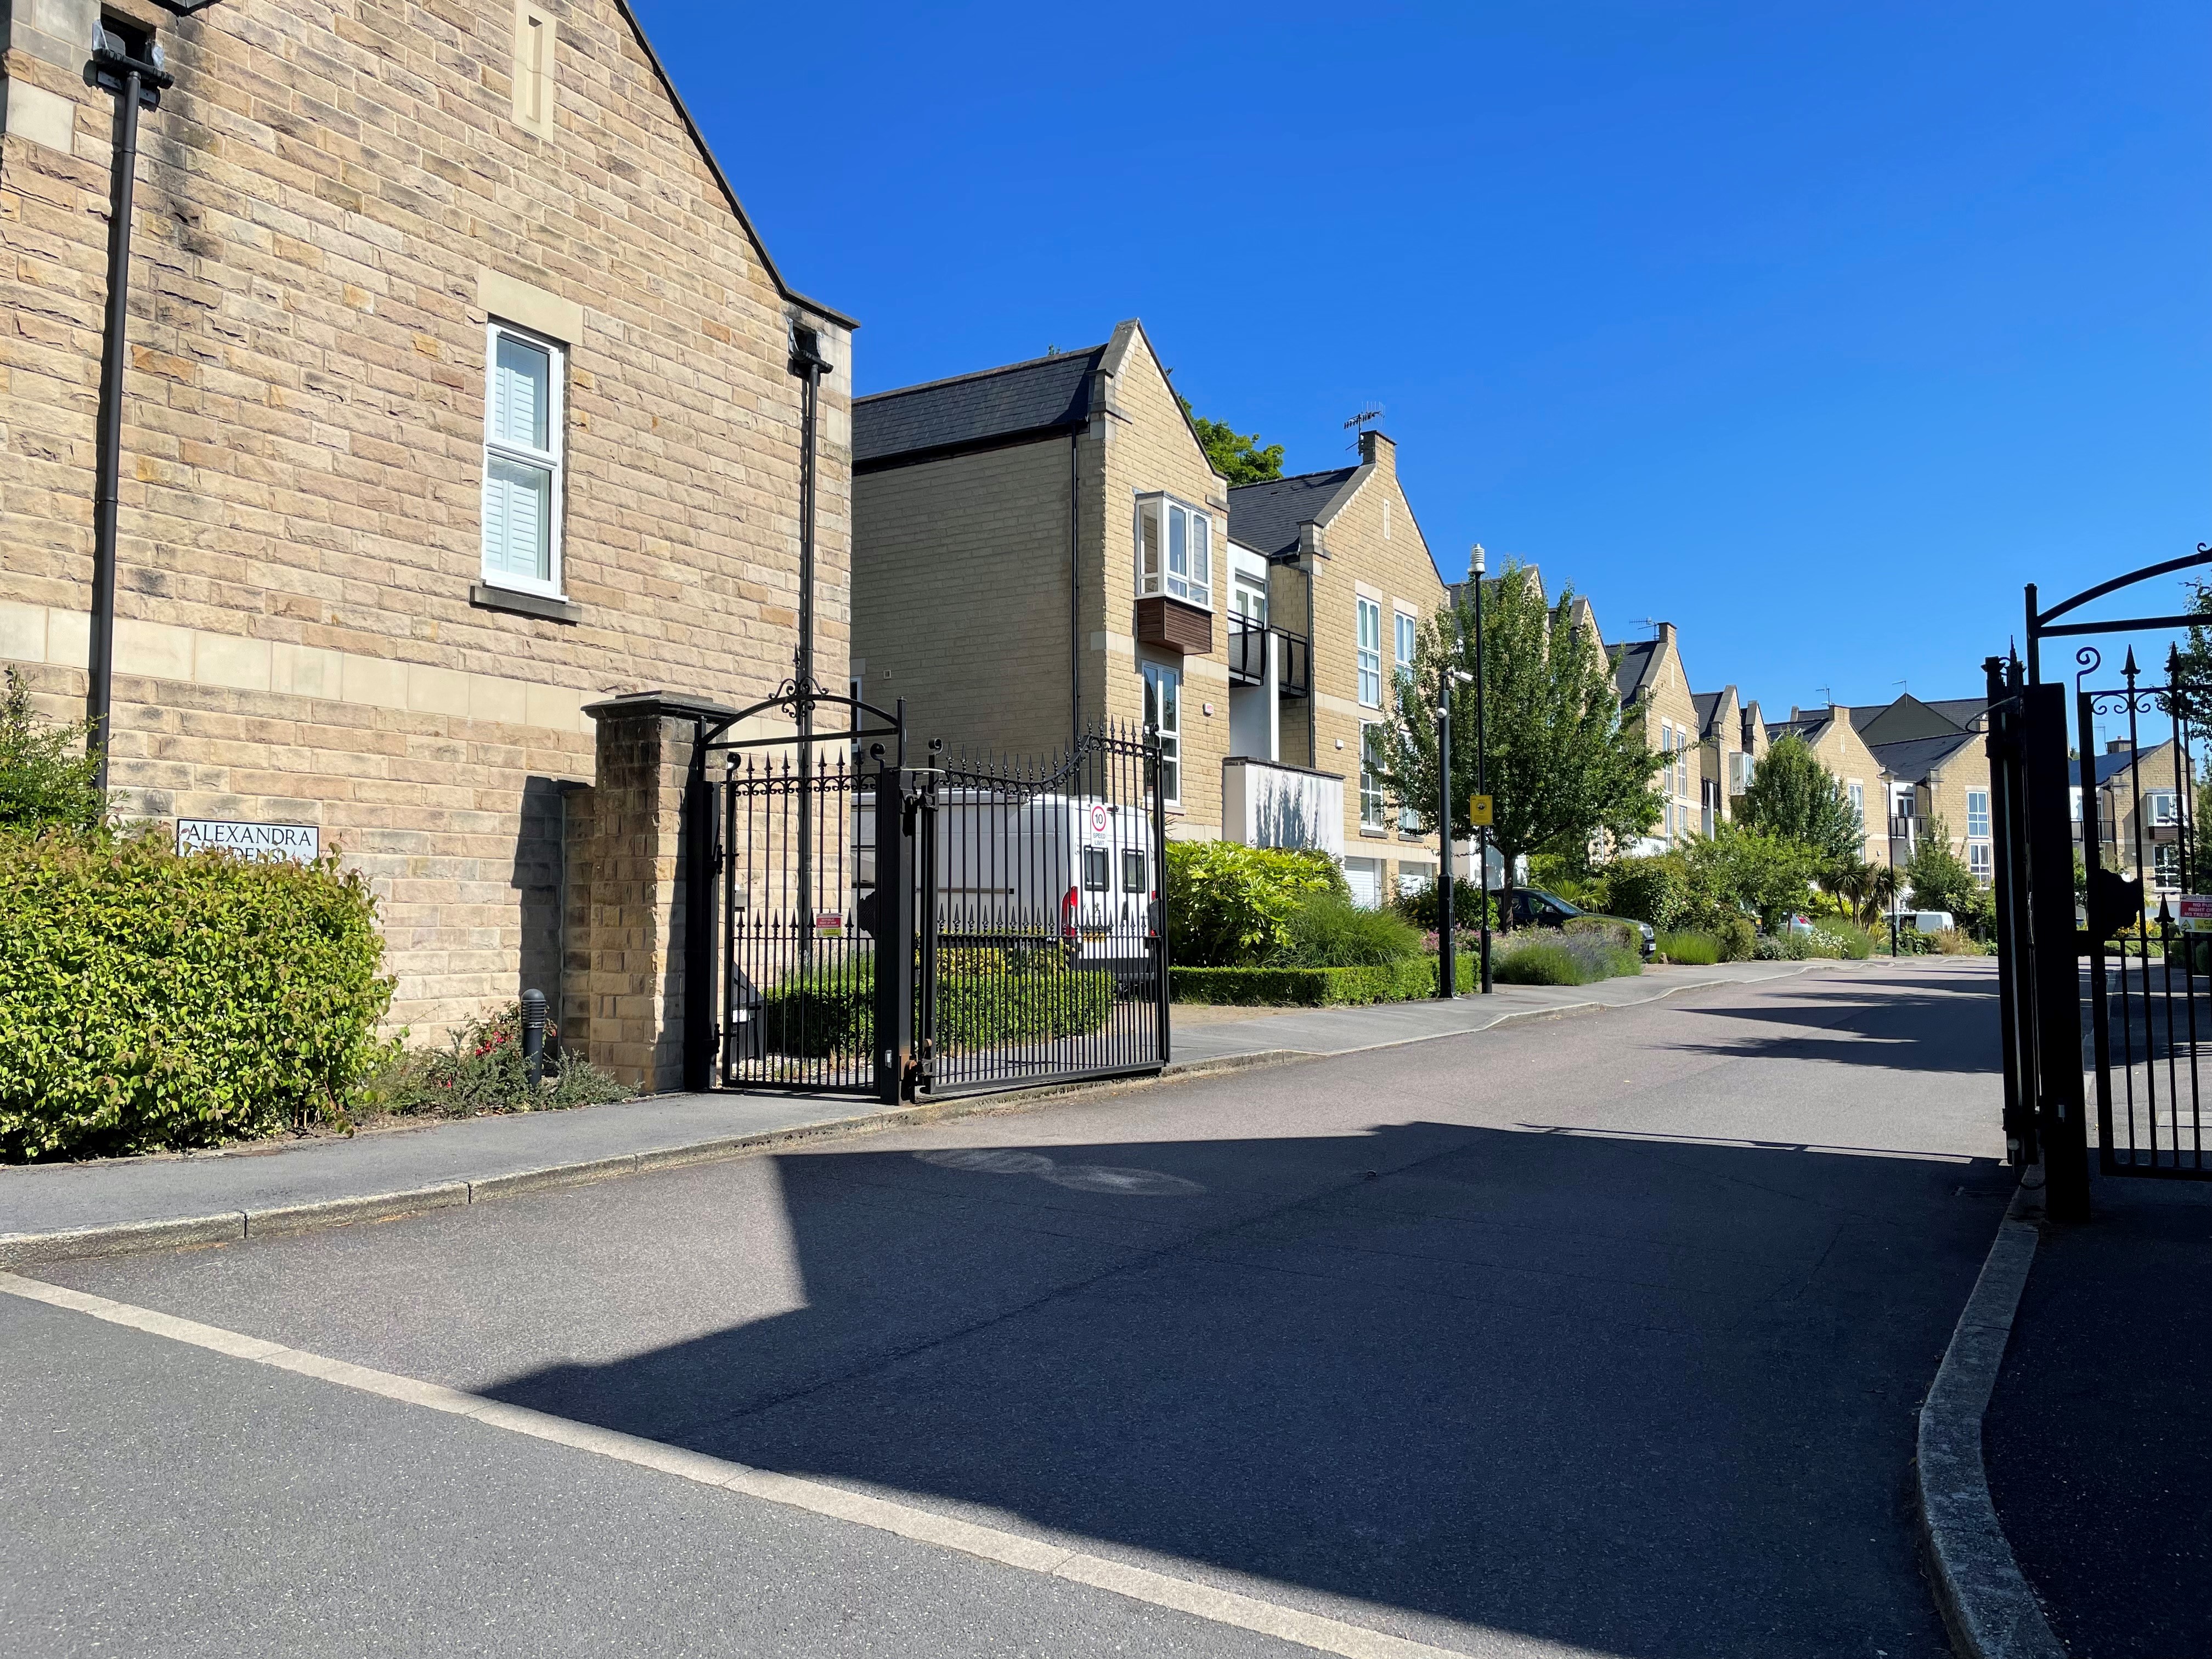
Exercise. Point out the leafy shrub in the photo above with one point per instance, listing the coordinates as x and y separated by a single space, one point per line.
43 784
1423 906
152 999
482 1070
1327 932
1954 942
1229 906
1695 949
1653 889
1561 958
1315 987
1736 935
1029 997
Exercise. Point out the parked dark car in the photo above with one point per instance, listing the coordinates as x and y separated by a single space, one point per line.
1535 907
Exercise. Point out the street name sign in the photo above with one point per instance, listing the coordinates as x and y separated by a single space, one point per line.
297 843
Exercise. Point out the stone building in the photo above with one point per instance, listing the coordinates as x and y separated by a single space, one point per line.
1334 567
1707 742
460 400
1046 544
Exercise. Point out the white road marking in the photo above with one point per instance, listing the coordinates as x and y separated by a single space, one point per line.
923 1525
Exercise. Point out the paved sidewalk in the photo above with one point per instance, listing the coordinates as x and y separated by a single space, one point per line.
268 1187
2098 1440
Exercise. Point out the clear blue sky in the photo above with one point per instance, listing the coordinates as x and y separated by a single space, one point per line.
1814 331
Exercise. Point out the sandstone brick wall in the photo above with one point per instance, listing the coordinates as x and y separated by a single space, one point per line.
960 596
327 202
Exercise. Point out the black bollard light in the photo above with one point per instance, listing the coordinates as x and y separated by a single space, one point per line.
533 1037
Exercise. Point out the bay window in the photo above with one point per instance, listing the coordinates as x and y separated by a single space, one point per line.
1175 550
522 460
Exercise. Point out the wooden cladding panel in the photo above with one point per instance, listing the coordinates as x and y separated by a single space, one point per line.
1170 623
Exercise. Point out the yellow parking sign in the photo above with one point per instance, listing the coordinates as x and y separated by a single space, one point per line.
1477 810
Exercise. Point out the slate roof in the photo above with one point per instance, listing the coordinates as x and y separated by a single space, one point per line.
1631 664
993 405
2114 762
1963 710
1266 517
1805 725
1912 760
1707 703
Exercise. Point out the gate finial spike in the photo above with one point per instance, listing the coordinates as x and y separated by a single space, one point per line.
2129 667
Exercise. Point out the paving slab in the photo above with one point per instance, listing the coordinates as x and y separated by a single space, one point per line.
2098 1438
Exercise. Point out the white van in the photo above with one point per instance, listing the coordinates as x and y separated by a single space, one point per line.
1074 868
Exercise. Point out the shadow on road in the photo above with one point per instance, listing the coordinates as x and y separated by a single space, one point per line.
1649 1398
1905 1024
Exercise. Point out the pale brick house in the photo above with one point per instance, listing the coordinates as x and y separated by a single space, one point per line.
1656 703
1337 559
2140 798
1045 544
460 396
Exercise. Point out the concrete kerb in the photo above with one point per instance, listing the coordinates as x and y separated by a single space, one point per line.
1985 1600
19 1250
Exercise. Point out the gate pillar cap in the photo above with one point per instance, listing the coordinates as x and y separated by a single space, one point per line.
648 705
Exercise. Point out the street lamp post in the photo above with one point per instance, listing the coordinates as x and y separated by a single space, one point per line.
1481 760
1447 924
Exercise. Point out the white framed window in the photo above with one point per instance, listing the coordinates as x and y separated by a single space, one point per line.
2160 807
1248 597
2165 864
524 375
1857 791
1977 815
1374 805
1408 641
1175 550
1163 711
1370 653
1741 767
1979 861
2074 800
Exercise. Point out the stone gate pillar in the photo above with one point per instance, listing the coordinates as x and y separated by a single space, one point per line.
638 877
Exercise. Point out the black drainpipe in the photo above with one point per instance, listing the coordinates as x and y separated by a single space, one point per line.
136 83
1074 602
809 364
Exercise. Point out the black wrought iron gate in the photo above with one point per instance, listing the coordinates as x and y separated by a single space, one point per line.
2104 943
871 927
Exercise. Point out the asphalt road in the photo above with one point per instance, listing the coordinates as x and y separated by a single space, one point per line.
1597 1336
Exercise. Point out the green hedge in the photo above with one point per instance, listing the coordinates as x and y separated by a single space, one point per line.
1314 987
1229 906
150 999
1032 1002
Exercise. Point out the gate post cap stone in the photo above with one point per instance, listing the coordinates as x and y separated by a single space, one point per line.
646 705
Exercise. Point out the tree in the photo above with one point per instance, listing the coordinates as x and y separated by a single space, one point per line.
1237 456
47 781
1562 769
1793 795
1752 870
1939 877
1868 888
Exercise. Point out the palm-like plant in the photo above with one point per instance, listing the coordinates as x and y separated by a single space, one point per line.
1869 889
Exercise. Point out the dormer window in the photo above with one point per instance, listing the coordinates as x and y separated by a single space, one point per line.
1175 550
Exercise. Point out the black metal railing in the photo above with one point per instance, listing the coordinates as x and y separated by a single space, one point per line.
1248 657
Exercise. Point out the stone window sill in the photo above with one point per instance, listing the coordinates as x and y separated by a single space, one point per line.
525 605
